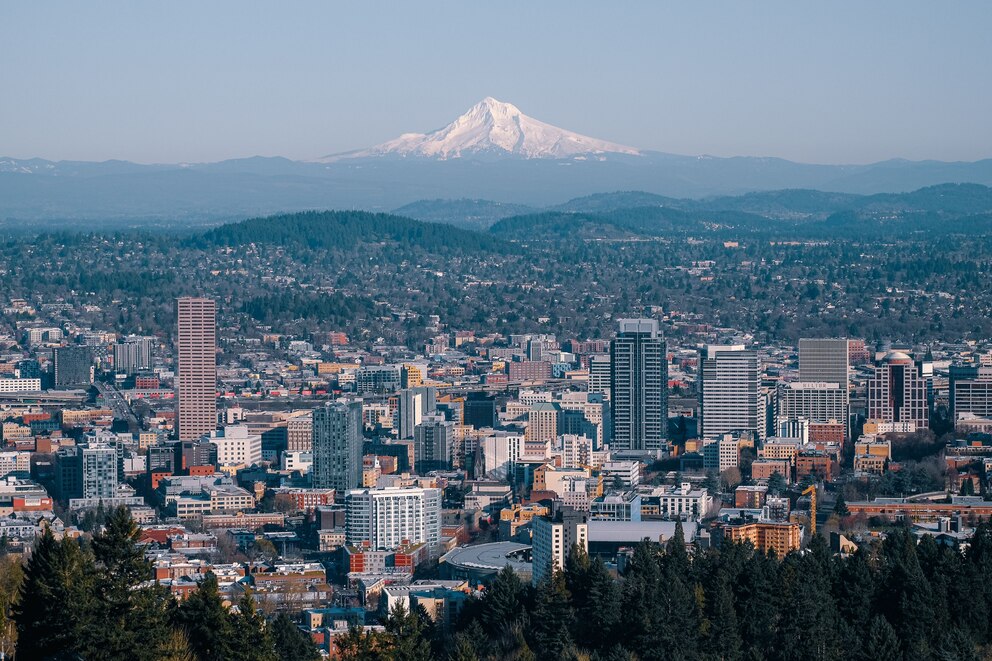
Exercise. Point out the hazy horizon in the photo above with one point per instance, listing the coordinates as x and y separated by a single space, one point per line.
845 83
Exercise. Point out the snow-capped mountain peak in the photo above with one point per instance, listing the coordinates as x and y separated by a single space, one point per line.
492 127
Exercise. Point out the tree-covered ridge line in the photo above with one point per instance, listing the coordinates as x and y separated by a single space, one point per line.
343 230
95 599
894 600
801 212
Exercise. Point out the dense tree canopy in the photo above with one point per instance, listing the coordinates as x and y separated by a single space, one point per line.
96 601
894 600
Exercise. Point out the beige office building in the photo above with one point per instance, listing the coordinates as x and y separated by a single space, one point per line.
196 377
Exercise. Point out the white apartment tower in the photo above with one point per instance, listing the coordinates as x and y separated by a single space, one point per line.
385 519
553 538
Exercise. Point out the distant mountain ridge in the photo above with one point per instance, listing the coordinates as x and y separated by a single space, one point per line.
949 208
492 152
795 205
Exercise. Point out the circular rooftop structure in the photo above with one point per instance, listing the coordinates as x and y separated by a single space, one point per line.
897 358
483 561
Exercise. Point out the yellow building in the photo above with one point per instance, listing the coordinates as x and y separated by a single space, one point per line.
871 454
147 439
869 445
779 450
512 518
411 376
869 464
336 368
766 536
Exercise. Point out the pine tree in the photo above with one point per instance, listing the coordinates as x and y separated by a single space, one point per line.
776 483
11 579
756 599
356 645
178 649
551 618
906 597
640 598
405 636
133 617
956 646
615 653
251 640
206 622
463 649
502 602
840 506
596 600
676 620
723 641
809 619
290 643
676 556
475 637
882 643
58 575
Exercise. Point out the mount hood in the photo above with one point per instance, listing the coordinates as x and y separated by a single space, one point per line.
495 128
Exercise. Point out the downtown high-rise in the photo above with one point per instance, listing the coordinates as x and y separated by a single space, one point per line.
730 396
823 362
337 446
897 393
196 378
639 388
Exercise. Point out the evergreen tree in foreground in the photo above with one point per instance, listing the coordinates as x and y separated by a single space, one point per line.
290 643
206 622
55 606
132 612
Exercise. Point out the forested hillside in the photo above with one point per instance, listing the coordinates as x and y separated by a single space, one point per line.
342 230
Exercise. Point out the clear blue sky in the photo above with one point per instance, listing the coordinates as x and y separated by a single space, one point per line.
832 82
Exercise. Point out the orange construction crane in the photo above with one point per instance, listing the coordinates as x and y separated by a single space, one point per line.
811 492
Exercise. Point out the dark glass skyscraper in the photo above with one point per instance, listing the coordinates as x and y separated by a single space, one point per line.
337 446
639 388
73 366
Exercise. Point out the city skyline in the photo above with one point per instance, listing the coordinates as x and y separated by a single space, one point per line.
488 332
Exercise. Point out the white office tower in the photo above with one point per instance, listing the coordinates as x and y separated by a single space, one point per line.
385 519
337 446
412 405
810 401
553 540
599 374
827 360
236 446
501 449
730 397
639 388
